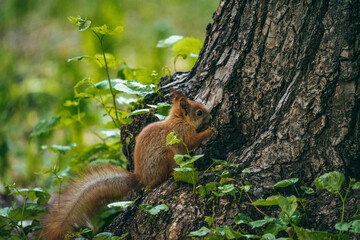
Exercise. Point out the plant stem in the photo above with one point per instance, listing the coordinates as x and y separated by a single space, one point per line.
108 76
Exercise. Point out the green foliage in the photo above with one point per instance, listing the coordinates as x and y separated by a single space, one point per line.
330 181
154 210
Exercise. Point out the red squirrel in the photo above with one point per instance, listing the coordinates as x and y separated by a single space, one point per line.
153 164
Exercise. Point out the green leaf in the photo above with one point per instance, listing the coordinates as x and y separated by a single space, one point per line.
140 111
330 181
103 236
305 234
199 233
356 186
268 236
242 219
45 126
355 226
154 210
30 212
229 189
230 233
342 226
105 30
168 42
208 188
81 58
222 162
163 108
172 138
110 60
83 23
33 194
288 205
123 204
89 152
188 175
275 228
270 201
186 46
307 190
187 163
142 75
286 182
133 87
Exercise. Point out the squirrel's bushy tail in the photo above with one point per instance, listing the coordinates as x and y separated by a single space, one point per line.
100 185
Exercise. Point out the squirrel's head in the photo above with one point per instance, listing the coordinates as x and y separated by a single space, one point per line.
193 112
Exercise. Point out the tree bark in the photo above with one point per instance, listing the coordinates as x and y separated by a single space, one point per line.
281 79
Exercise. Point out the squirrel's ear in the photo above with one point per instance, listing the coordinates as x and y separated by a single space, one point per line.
184 104
177 94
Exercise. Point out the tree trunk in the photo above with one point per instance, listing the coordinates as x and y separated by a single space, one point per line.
281 79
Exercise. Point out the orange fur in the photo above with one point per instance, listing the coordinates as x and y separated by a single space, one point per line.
153 162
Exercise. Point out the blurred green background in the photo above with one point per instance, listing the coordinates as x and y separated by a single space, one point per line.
36 39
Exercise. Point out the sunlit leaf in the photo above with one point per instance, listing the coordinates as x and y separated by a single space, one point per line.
81 58
229 189
83 23
105 30
286 182
123 204
172 138
168 42
199 233
188 175
140 111
330 181
186 46
111 61
273 200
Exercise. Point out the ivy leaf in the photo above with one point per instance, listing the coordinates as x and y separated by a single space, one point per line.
154 210
83 23
199 233
169 41
331 181
45 126
105 30
286 182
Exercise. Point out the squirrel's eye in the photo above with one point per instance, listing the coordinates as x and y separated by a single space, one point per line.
199 113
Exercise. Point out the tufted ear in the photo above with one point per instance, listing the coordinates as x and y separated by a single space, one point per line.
185 106
177 94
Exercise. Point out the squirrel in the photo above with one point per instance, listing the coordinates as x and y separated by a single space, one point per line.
153 164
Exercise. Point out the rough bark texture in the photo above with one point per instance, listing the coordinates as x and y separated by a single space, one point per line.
281 79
